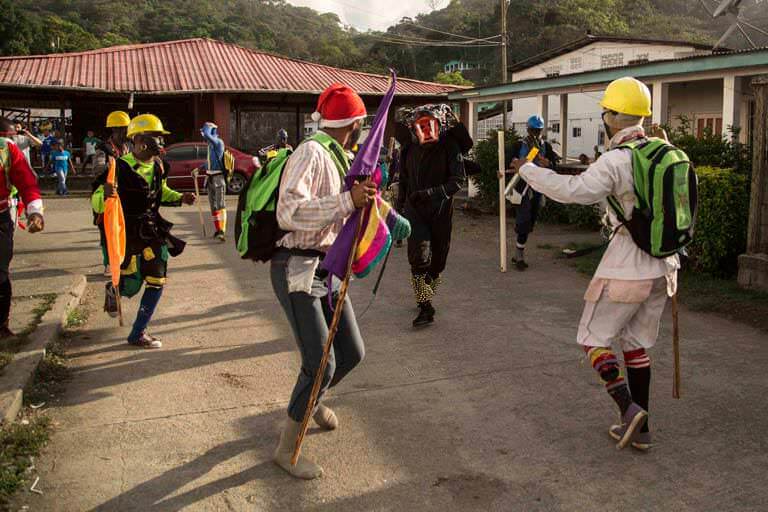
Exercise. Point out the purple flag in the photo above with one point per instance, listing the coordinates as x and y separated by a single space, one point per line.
366 164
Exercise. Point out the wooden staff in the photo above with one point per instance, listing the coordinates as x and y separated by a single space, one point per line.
502 206
329 342
199 206
676 347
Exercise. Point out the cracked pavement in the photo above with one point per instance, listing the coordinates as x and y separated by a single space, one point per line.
492 408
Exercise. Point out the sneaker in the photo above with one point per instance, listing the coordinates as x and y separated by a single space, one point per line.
631 421
220 236
426 315
520 265
146 341
110 300
641 441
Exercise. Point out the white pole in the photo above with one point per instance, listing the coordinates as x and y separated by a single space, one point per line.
502 207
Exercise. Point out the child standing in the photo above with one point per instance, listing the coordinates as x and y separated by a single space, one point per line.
61 160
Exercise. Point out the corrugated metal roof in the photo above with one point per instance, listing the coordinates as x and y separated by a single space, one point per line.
192 65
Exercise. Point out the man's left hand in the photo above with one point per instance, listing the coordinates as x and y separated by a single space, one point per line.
36 223
188 198
516 164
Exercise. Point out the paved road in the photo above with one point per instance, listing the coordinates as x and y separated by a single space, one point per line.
493 408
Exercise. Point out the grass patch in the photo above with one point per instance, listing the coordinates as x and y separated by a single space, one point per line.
700 292
76 317
50 376
19 443
46 303
546 247
586 264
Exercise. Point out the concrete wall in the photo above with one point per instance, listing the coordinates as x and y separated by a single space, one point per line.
590 58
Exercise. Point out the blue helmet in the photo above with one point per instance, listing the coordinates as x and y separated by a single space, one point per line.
536 123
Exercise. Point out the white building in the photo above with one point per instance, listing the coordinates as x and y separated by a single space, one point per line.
716 97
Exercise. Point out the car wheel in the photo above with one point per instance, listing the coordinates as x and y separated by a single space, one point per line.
236 183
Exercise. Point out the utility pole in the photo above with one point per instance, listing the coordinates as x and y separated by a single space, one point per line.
504 60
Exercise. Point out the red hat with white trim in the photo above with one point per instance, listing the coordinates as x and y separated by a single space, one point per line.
339 106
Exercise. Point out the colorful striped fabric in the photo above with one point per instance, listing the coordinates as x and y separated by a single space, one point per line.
379 217
376 240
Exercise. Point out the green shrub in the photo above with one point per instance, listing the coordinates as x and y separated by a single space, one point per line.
712 150
587 217
486 154
721 227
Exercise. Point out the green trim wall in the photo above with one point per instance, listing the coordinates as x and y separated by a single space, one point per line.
659 69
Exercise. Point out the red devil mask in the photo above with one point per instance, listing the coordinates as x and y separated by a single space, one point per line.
427 130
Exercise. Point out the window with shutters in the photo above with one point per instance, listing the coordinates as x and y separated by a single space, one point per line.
576 132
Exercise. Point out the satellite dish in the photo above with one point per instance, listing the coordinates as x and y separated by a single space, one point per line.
733 10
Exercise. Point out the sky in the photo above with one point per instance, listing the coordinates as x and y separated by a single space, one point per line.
370 14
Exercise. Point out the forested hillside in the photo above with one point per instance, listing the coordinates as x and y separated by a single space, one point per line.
44 26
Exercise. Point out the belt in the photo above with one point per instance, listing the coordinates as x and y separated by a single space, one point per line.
308 253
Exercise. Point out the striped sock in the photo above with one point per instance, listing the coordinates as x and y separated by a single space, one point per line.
220 220
606 364
638 366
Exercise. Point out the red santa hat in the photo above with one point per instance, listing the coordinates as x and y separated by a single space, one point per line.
339 106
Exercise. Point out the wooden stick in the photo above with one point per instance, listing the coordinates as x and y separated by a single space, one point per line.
199 206
119 307
502 207
676 347
329 343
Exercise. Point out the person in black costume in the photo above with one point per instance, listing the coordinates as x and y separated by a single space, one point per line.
431 172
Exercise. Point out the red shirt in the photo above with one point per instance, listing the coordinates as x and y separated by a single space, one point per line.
13 165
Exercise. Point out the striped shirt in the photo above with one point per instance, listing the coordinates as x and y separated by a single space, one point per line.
312 205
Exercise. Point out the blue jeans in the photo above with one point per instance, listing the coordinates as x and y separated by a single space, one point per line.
310 316
61 186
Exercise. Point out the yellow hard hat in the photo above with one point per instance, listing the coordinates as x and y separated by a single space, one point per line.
118 119
146 123
627 96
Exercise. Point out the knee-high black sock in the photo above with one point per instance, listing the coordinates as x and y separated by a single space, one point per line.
638 366
5 302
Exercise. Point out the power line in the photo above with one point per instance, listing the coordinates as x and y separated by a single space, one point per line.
413 23
439 44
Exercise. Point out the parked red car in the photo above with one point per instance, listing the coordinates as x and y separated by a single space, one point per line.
182 158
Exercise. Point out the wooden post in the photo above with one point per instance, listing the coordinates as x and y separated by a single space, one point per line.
753 266
502 207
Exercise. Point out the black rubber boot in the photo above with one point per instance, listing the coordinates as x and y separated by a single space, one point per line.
426 315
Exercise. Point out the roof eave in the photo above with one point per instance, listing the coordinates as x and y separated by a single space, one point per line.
653 69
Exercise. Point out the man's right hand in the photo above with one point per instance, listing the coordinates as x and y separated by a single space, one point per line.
362 192
109 191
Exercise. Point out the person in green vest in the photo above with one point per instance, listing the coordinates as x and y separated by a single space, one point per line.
142 188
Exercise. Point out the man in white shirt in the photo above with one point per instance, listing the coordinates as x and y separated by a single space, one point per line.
312 206
627 296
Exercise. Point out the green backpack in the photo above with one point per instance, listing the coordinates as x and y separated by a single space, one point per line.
666 191
256 228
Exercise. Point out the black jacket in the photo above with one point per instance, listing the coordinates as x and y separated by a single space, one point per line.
144 225
435 172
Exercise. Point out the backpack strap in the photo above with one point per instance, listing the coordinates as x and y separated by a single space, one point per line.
335 150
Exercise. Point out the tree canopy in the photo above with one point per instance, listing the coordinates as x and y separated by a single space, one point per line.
45 26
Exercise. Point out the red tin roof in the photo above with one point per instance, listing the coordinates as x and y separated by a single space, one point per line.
192 65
